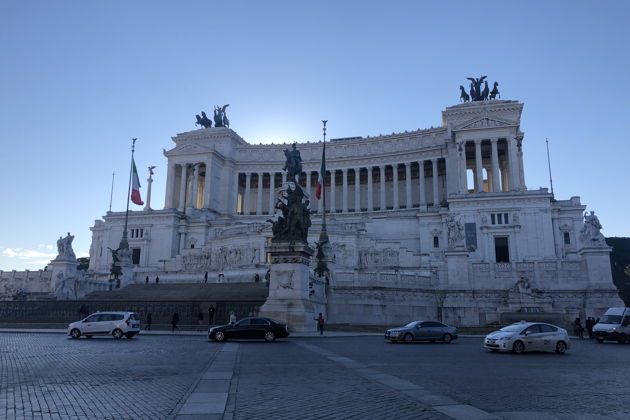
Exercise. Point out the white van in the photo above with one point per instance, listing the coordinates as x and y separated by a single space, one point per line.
614 325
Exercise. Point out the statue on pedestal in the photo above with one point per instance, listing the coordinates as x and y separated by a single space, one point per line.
220 119
293 164
203 121
64 248
295 220
590 234
476 94
455 232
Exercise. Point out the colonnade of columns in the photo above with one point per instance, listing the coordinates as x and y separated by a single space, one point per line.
188 185
357 190
502 160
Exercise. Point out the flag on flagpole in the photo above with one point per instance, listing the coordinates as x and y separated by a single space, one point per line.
135 185
320 177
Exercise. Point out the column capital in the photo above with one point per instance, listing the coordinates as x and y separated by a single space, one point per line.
344 170
494 140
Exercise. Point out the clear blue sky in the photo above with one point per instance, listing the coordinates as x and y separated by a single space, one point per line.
79 79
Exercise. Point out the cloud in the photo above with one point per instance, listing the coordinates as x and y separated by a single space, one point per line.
26 254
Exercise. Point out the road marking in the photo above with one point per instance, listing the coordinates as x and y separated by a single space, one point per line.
210 395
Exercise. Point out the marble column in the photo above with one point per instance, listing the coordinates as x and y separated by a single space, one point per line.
496 180
333 204
183 183
382 202
207 186
147 202
512 164
170 187
247 198
272 192
344 197
192 199
478 167
357 189
408 200
421 185
370 190
463 176
436 191
396 187
259 195
284 178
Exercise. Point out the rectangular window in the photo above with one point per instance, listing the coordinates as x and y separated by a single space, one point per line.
505 218
567 238
501 249
493 219
135 256
499 219
436 242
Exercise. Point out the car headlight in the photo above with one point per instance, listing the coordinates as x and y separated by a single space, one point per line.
612 329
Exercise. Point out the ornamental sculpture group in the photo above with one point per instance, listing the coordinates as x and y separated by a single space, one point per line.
220 119
294 217
475 91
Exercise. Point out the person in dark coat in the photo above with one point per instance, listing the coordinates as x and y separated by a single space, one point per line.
174 321
589 327
149 320
210 315
146 280
320 324
578 329
157 279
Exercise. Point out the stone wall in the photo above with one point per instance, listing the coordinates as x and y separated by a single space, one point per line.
16 283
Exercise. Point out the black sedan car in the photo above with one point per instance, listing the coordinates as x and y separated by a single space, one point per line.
422 331
249 328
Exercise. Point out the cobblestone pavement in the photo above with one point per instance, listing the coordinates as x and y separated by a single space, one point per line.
49 376
46 376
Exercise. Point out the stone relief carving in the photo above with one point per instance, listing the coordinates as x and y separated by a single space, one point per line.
221 258
590 234
65 288
373 257
455 232
343 255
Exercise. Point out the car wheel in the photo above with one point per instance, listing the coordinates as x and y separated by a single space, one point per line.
622 339
447 338
75 333
270 336
408 338
117 334
561 347
219 336
518 347
599 339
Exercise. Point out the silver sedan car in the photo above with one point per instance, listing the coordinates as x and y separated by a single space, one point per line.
422 331
528 336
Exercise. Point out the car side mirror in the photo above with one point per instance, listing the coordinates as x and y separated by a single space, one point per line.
527 333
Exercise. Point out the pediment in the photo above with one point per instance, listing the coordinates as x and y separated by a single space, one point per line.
480 123
188 149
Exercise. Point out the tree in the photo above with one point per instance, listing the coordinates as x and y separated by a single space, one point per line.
620 266
84 263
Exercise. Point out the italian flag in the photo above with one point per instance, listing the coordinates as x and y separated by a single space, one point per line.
135 185
320 177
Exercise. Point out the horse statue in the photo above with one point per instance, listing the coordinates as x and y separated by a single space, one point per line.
495 91
203 120
484 93
293 164
220 119
464 96
475 87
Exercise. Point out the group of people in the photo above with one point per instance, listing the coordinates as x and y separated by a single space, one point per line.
578 329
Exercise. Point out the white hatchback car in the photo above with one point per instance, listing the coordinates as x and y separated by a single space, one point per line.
103 323
528 336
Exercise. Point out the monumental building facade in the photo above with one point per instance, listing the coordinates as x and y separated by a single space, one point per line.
435 223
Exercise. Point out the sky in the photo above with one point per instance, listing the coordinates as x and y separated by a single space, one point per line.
79 79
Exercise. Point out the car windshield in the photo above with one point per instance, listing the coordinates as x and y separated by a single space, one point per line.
513 328
411 324
610 319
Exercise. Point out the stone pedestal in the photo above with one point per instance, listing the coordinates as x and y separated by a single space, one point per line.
457 268
289 299
597 261
63 279
126 267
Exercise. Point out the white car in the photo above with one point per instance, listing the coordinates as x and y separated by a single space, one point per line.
614 325
528 336
104 323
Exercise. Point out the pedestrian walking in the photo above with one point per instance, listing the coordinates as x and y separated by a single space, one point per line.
232 318
590 322
157 279
210 315
174 321
320 323
149 320
146 280
205 277
578 329
200 320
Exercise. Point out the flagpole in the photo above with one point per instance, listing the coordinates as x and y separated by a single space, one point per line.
111 192
123 242
549 165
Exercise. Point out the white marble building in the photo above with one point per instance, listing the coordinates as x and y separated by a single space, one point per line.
434 223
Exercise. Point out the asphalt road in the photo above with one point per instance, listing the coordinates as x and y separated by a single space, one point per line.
49 376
